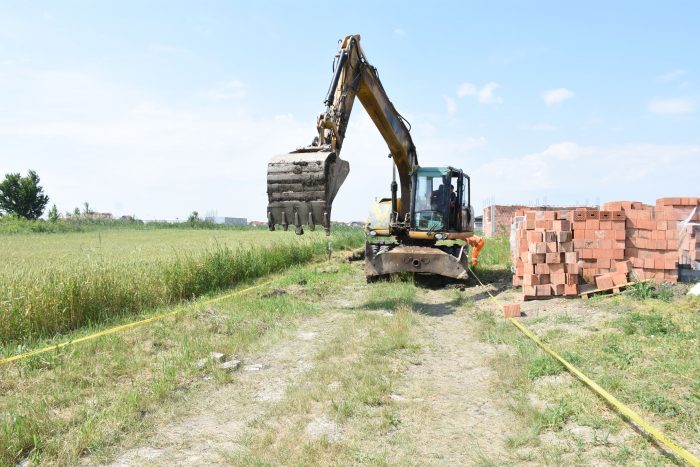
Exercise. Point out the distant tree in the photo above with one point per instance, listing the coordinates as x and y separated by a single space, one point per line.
53 214
23 196
76 212
194 218
86 208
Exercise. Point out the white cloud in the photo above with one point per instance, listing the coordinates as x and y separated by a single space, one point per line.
230 90
539 126
399 32
671 76
556 96
672 105
451 104
640 172
466 89
484 95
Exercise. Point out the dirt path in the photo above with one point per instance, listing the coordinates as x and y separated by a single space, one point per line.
216 422
444 401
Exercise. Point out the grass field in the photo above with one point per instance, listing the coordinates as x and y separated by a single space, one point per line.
645 352
53 282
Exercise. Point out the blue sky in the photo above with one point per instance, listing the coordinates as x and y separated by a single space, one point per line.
161 108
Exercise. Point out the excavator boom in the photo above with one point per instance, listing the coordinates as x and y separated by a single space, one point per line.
302 184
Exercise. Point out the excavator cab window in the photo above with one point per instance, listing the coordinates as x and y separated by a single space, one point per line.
432 199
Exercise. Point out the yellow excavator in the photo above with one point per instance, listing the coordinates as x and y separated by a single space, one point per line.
429 228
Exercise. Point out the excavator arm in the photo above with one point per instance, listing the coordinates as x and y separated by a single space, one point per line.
302 185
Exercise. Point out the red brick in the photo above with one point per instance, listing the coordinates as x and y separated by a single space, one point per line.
619 278
579 224
551 247
542 268
553 258
558 278
592 224
592 214
570 257
622 266
618 215
537 247
534 236
579 215
603 263
517 281
605 215
558 289
572 268
511 310
607 253
555 268
536 258
618 253
544 290
531 279
571 279
604 281
618 225
563 237
571 289
530 290
606 225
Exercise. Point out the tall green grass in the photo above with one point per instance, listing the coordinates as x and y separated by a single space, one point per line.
37 303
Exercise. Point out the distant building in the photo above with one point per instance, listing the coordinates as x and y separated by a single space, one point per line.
227 220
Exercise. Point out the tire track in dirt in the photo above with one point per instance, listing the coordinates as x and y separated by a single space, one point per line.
447 408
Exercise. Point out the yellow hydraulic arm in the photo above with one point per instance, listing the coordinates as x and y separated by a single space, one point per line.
302 184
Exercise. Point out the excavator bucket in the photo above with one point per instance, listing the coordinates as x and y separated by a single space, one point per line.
301 187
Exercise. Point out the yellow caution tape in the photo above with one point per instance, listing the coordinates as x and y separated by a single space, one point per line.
123 327
622 408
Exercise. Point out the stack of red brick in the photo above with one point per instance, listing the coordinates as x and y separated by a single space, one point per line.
546 263
656 239
599 238
604 245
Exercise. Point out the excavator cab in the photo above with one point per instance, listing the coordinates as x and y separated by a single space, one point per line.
441 200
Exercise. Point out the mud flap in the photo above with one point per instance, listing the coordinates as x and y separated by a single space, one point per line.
301 187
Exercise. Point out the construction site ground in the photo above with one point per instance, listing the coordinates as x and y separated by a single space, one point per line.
399 372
